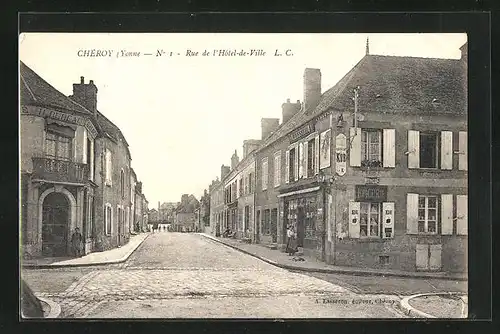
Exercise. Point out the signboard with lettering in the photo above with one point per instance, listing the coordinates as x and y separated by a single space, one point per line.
340 154
371 193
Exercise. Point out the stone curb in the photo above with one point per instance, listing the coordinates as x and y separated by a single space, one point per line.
121 260
404 304
334 271
55 308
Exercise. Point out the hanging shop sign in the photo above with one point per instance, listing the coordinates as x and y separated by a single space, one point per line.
371 193
340 154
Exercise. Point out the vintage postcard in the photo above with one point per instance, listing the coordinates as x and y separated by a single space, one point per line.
270 176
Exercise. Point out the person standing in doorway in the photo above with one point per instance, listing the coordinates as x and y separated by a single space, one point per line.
291 246
77 242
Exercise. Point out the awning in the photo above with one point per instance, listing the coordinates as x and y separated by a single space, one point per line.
297 192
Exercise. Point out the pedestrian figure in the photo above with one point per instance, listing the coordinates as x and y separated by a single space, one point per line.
77 242
291 247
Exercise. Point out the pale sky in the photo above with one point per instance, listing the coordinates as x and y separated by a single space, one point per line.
183 117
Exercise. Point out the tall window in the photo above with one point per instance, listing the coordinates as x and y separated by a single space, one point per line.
122 183
58 147
247 218
240 191
108 217
369 219
429 150
277 168
266 224
291 165
250 183
371 143
265 173
109 171
427 214
311 151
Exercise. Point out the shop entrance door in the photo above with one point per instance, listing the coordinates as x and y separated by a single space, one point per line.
301 228
274 225
55 224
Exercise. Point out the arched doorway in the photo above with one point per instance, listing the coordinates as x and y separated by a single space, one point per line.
55 224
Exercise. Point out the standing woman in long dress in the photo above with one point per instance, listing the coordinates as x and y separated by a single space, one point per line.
289 244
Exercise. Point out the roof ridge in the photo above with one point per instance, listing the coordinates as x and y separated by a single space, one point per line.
411 57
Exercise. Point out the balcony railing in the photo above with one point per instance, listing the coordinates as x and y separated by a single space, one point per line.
50 169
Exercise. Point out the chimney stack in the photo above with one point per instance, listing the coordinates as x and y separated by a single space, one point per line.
289 109
224 171
312 88
234 160
85 94
268 126
249 146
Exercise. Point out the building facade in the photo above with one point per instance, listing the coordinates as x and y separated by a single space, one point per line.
372 172
75 170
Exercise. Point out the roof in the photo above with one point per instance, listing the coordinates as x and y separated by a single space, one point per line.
36 91
405 85
392 84
111 130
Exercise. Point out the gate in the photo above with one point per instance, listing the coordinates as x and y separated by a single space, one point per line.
55 224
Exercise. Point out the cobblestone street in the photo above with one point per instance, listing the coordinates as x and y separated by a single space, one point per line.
185 275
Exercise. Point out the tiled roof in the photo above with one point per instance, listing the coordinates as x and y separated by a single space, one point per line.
405 85
36 91
392 84
111 130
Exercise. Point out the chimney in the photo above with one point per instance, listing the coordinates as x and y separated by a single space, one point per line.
312 88
249 146
234 160
85 94
268 126
224 171
289 109
184 199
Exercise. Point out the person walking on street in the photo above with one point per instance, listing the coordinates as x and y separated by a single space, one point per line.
77 242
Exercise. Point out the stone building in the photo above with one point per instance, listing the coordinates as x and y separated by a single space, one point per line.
57 168
185 217
373 171
112 174
75 170
217 208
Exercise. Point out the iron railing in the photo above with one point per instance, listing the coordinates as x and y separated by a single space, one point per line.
50 169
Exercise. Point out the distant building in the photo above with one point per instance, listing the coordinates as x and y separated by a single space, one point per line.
185 218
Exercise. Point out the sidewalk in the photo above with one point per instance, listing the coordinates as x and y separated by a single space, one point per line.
280 259
116 255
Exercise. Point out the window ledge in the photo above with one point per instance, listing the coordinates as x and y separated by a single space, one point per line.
431 170
427 234
369 239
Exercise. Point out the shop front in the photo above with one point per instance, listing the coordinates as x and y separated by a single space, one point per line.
303 209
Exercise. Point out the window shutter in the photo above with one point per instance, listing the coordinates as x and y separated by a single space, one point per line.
462 147
411 213
446 214
413 149
85 158
301 160
355 147
388 220
389 151
296 163
462 214
316 154
306 157
287 165
354 208
446 149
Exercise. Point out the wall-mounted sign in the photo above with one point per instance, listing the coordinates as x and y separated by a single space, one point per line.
340 154
324 159
371 193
